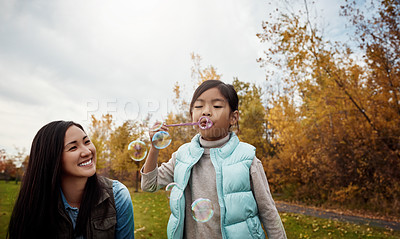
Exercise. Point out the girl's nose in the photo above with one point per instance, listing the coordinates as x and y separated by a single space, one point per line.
206 111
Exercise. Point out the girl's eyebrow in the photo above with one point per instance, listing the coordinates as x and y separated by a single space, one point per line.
218 99
213 100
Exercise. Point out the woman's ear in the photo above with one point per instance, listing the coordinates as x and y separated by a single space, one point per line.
234 118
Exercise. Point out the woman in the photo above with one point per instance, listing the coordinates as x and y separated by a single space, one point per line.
61 195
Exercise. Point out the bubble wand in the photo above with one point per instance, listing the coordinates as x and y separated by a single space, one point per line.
137 149
203 119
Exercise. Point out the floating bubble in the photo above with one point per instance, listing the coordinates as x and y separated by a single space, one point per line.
137 150
172 187
202 210
168 189
158 126
161 139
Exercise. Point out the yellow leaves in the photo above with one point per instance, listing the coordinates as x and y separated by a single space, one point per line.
140 229
333 121
346 193
202 74
303 235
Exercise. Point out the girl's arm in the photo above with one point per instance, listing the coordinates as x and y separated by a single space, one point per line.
151 160
159 177
154 178
266 206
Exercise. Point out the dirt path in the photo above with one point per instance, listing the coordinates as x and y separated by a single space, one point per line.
310 211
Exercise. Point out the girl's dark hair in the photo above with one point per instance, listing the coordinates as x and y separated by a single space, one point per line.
227 90
36 213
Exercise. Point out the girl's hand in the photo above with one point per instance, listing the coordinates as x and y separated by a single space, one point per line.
156 127
151 161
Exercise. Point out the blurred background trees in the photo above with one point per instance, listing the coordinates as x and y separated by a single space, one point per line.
326 127
336 122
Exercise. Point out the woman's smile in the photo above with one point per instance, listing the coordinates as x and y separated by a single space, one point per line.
88 162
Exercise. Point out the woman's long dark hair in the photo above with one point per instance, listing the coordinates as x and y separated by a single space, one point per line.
36 214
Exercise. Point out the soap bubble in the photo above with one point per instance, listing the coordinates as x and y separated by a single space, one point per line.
161 140
168 189
137 150
202 210
157 127
205 122
171 187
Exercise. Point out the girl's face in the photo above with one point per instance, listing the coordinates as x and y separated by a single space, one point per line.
79 154
215 106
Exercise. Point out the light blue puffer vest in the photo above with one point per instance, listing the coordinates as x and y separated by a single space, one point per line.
239 213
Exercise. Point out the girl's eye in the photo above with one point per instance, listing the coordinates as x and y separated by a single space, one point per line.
87 141
198 106
217 106
72 148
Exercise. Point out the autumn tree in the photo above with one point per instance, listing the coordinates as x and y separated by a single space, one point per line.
12 166
3 157
179 135
335 122
123 166
201 74
100 132
252 125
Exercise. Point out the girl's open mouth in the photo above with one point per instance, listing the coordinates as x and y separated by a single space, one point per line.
205 123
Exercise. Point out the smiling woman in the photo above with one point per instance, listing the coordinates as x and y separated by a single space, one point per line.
79 154
61 195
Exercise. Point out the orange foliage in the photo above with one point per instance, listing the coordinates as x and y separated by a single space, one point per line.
335 121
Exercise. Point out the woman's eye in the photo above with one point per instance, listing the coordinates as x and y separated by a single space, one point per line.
198 106
217 106
72 148
87 141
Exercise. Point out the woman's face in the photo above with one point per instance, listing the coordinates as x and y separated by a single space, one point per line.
213 104
79 154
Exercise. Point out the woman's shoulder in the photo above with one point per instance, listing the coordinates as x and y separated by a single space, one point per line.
122 197
105 182
118 186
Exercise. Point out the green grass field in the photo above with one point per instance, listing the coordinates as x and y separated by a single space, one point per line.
8 194
152 213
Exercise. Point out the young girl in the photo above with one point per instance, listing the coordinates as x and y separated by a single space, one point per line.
217 166
62 197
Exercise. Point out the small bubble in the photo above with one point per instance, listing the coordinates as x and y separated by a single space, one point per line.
161 139
137 150
168 189
202 210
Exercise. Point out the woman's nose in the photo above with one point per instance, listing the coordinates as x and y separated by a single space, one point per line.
85 152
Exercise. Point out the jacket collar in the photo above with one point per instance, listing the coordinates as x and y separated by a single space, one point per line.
103 196
196 150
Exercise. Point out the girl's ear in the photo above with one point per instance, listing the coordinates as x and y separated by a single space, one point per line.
234 118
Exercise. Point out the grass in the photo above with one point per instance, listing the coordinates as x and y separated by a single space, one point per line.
8 195
152 213
300 226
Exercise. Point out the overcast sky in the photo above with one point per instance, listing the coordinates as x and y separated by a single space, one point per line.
70 59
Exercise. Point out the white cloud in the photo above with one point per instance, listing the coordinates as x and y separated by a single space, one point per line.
66 59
